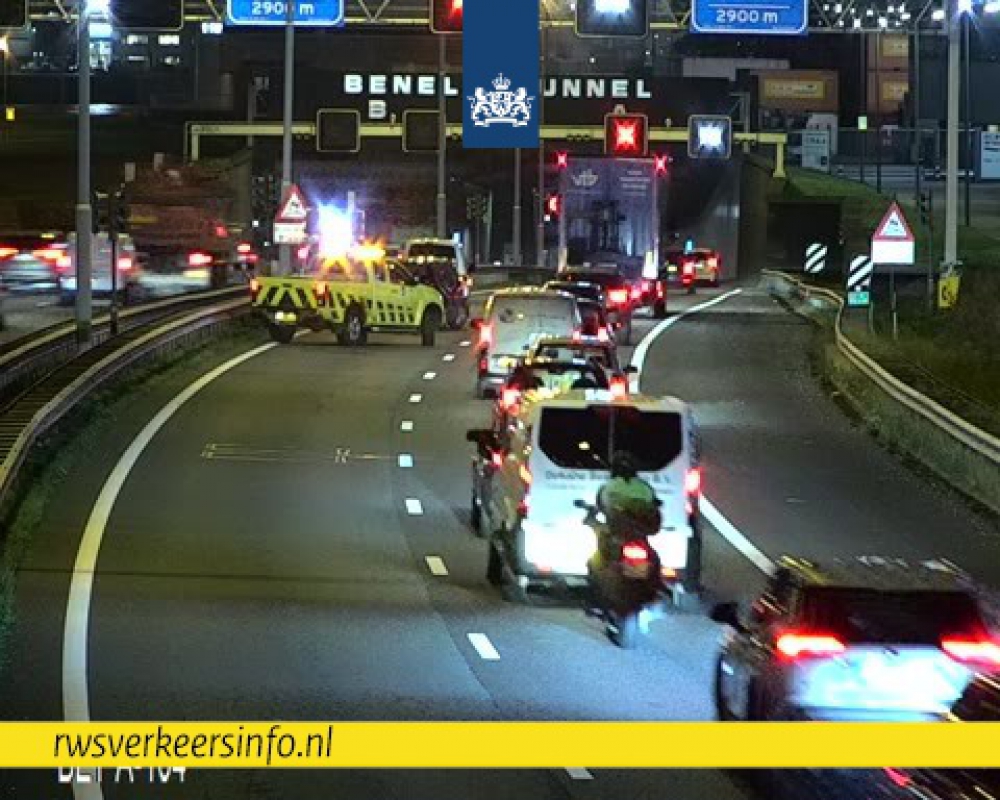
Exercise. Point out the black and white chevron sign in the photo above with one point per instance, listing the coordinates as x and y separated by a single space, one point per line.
815 258
859 274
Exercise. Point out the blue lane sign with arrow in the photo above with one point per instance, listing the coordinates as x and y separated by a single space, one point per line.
767 17
307 13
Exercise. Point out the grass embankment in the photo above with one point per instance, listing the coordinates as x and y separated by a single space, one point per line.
952 356
68 450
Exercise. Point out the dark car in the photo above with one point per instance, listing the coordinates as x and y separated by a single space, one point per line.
621 295
443 274
688 268
595 320
579 289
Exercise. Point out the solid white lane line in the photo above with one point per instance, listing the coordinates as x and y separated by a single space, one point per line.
716 518
429 376
405 461
406 425
483 645
414 507
76 701
416 398
448 357
733 535
579 774
436 565
639 355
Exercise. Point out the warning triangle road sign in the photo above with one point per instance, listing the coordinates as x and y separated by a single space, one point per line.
293 206
893 227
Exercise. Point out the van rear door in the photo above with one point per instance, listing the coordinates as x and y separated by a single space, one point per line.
521 319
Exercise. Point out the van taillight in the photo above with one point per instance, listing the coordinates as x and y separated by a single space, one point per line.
692 482
793 645
974 651
619 387
618 297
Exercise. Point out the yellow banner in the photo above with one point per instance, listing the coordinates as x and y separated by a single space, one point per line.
498 745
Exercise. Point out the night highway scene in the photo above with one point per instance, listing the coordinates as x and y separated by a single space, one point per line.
499 399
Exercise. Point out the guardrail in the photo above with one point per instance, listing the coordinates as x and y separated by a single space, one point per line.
28 418
970 436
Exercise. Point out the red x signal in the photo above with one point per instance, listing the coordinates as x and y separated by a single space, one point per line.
625 134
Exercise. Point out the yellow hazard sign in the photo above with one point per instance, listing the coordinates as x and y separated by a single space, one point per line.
948 288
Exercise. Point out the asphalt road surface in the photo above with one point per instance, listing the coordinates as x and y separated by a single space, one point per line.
267 557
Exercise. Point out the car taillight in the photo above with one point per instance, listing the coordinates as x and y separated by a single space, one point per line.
635 554
485 335
618 297
659 291
7 252
244 249
45 254
254 289
577 335
124 264
509 398
64 262
619 387
647 285
603 335
980 652
303 253
712 262
692 482
199 259
636 292
496 459
793 645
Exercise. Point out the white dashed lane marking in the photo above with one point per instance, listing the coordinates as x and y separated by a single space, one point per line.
406 425
416 398
436 565
466 343
429 376
483 645
579 774
414 507
448 357
405 460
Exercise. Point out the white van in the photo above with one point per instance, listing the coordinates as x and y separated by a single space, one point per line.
427 249
553 452
512 321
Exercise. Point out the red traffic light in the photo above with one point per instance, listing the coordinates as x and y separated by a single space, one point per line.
553 205
562 159
446 16
625 134
661 164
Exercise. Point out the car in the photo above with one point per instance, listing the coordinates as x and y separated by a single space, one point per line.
579 349
128 282
512 320
689 268
546 376
32 261
582 290
554 451
443 275
430 249
869 638
621 296
595 320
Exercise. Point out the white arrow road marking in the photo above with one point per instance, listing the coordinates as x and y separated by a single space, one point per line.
76 701
483 645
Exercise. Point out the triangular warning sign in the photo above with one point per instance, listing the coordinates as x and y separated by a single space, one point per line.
293 206
893 226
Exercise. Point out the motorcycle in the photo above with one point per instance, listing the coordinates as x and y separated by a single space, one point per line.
625 585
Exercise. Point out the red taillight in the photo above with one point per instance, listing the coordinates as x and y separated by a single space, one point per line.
244 249
603 335
509 398
619 387
8 252
64 263
659 291
577 335
124 264
635 554
496 459
303 253
221 232
692 482
901 779
199 259
974 652
636 292
808 645
618 297
485 335
45 254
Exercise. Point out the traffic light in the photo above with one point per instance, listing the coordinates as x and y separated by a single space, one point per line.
420 131
13 14
147 15
553 206
446 16
626 134
612 17
100 210
926 207
120 214
562 159
710 136
338 130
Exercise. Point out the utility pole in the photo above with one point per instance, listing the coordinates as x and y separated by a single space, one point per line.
285 250
967 102
954 22
84 209
442 154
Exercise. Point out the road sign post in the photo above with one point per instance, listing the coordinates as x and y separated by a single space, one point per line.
290 221
893 245
767 17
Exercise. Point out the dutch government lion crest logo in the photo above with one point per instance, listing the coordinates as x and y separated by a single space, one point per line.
501 106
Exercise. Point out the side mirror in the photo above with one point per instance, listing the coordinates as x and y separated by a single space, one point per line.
727 614
476 323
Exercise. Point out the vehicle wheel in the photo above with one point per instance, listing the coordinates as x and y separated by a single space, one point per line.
660 310
476 516
623 630
282 334
722 711
458 316
429 326
494 566
353 333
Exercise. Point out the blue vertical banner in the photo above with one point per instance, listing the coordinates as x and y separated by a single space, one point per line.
500 77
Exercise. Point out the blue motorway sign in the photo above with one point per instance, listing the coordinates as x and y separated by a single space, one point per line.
315 13
774 17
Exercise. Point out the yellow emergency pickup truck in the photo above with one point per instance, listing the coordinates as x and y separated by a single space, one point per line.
351 296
